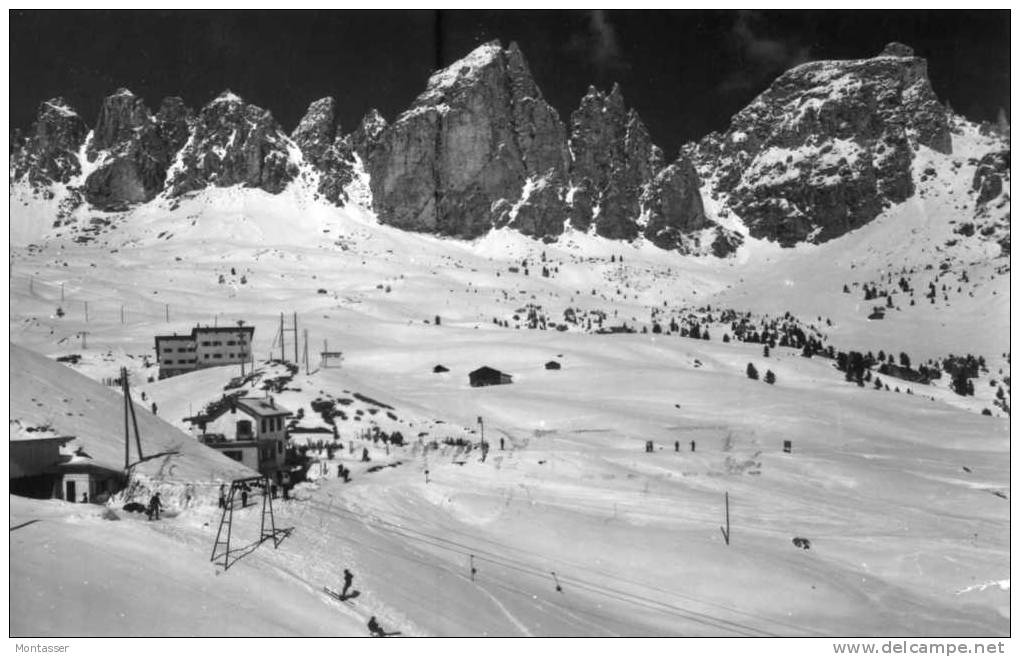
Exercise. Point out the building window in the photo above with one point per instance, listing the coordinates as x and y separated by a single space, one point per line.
205 343
217 355
231 343
217 343
206 356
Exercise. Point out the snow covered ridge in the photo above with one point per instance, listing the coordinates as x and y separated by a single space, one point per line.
826 149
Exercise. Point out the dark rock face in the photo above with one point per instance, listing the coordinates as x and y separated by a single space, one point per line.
991 170
479 131
613 156
134 149
234 143
49 152
336 157
315 133
828 146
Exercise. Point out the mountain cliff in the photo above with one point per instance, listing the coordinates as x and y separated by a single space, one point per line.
827 148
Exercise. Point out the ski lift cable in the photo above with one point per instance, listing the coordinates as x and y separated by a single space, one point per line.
623 596
524 567
638 600
622 580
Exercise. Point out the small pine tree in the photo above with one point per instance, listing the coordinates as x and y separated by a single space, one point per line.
770 378
752 372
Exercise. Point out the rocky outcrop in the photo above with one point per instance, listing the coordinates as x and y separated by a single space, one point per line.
334 156
133 149
316 131
827 147
234 143
613 159
48 154
992 168
478 133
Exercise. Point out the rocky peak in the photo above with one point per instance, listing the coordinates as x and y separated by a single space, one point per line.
49 152
121 117
897 49
478 132
234 143
173 121
827 146
317 130
613 160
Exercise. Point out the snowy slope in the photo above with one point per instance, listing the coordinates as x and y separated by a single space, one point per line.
51 394
77 573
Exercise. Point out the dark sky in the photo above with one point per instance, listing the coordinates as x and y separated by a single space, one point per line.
686 72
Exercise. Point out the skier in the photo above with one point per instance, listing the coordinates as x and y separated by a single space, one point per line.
692 445
244 496
364 454
154 408
339 471
676 446
223 496
374 627
154 506
501 444
348 580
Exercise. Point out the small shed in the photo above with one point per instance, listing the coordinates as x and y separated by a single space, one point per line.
439 369
84 480
488 376
553 365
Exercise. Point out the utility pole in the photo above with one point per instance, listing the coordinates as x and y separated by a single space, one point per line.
726 532
166 308
296 360
121 313
283 354
306 353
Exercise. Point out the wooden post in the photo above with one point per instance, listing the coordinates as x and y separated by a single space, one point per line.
296 359
726 532
283 355
127 433
306 353
166 309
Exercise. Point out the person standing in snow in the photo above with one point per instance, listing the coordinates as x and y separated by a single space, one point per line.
244 497
154 408
374 627
364 454
154 506
348 580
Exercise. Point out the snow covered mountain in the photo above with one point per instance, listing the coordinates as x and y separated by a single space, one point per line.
826 149
857 239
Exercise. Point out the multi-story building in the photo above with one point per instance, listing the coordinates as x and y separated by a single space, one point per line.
207 346
251 430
